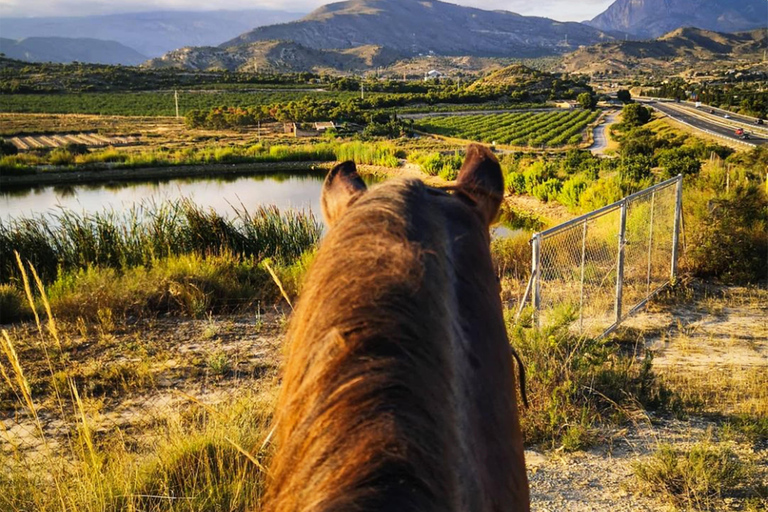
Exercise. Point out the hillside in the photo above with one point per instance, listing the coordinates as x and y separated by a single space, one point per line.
64 50
150 33
278 56
680 51
652 18
526 83
412 28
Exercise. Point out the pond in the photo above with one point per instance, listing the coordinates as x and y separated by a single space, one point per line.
297 191
223 194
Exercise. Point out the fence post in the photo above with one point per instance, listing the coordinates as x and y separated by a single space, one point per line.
620 261
536 276
583 261
676 229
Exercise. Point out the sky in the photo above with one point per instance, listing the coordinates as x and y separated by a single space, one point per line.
563 10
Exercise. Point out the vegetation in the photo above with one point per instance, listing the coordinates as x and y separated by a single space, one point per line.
694 477
69 248
382 154
551 128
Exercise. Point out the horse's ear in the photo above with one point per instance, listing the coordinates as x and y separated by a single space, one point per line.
481 180
342 186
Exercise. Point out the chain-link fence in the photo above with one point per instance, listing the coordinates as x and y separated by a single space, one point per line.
605 265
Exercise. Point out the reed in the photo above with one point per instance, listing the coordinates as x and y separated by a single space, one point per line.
68 241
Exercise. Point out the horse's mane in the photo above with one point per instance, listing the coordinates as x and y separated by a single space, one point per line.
374 326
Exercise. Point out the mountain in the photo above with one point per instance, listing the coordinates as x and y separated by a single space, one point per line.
277 56
150 33
413 27
64 50
653 18
685 50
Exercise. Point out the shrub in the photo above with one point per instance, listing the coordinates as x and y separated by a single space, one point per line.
601 193
693 477
61 156
635 114
13 304
548 190
676 161
570 194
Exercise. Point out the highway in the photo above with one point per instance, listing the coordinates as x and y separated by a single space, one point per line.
718 127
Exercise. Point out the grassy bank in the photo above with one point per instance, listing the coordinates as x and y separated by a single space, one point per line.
62 159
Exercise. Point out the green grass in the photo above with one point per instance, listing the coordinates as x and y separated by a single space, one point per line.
69 241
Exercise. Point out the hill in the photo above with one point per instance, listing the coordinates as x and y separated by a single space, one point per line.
414 27
277 56
150 33
526 83
64 49
652 18
680 51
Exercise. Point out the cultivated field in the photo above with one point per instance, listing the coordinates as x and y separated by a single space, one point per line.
550 129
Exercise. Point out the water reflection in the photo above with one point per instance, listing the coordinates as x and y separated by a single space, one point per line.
224 193
298 191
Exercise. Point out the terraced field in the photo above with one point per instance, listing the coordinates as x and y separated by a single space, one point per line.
531 129
60 140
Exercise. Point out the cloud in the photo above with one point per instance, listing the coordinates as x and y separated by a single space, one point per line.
563 10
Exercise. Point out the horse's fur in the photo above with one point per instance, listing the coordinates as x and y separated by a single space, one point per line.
398 390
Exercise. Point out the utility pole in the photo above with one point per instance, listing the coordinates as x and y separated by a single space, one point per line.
176 99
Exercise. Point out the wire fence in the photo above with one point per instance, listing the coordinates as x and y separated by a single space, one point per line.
607 264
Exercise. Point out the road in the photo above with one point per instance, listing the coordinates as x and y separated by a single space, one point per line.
720 128
600 134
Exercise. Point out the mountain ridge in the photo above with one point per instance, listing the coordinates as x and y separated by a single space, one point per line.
151 33
654 18
683 50
429 26
65 50
276 56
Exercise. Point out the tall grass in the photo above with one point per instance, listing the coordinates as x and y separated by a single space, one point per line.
188 456
385 155
68 241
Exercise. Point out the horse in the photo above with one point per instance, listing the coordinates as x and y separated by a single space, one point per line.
398 389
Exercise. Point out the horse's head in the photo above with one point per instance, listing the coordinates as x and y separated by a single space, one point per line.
398 392
479 187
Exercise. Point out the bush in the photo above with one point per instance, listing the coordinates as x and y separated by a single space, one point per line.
570 194
692 478
548 190
676 161
601 193
61 156
635 114
13 304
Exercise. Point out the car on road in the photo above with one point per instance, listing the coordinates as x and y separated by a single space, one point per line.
727 116
741 133
711 111
760 122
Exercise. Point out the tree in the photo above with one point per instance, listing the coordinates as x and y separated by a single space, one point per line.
587 101
624 96
634 115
